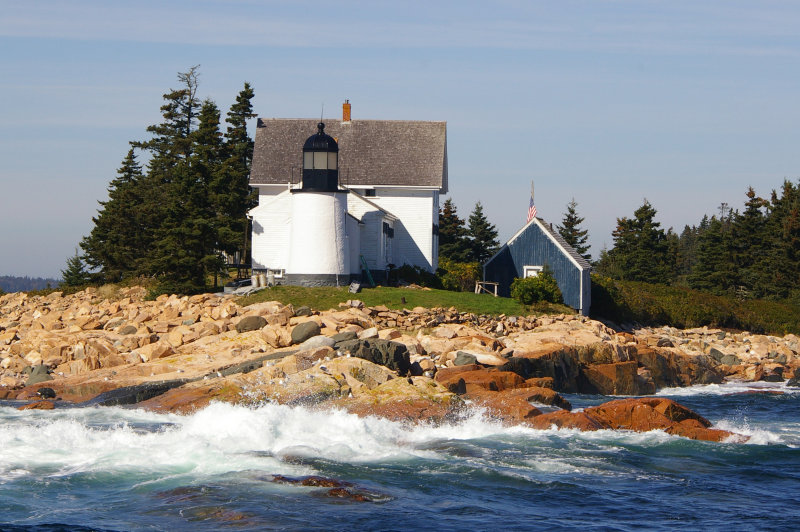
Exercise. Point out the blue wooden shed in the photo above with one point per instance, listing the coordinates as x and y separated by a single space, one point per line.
527 253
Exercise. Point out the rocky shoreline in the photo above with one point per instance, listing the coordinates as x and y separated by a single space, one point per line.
108 346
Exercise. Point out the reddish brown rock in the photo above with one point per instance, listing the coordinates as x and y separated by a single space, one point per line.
187 399
539 382
504 405
477 378
693 430
671 368
565 420
639 415
626 337
401 410
69 392
643 415
515 405
612 379
40 405
313 481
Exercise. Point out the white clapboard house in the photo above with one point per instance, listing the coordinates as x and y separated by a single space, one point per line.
350 195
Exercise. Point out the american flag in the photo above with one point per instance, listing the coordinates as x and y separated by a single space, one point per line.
531 211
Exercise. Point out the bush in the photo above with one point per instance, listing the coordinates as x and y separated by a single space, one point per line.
458 276
651 304
414 274
542 287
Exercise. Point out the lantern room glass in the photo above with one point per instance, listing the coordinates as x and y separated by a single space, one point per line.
320 160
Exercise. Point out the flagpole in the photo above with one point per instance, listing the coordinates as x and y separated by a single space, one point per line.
531 206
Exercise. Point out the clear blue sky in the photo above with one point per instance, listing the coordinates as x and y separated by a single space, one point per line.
684 103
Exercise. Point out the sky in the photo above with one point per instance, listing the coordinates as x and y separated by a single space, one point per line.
684 103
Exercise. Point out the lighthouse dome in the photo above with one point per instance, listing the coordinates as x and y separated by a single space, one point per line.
321 141
320 163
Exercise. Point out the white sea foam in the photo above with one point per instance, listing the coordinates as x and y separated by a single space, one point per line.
224 438
218 439
787 435
729 388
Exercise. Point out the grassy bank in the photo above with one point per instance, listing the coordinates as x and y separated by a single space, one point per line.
324 298
650 304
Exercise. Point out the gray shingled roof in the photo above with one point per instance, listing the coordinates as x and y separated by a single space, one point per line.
566 247
371 152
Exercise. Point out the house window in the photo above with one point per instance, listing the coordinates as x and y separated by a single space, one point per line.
531 271
370 192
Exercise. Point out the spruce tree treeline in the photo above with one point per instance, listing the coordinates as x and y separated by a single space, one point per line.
750 254
459 241
571 231
174 220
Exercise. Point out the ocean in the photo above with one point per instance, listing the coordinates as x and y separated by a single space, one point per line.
236 468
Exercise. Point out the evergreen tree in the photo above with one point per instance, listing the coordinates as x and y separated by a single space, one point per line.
482 235
74 274
163 207
686 256
231 194
175 220
185 248
172 138
750 238
453 242
571 231
781 264
641 251
715 270
116 241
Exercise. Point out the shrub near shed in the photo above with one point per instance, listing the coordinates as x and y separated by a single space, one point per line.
541 287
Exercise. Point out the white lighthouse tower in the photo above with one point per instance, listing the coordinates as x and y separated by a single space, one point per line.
318 244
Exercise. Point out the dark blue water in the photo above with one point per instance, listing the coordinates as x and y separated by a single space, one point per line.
223 468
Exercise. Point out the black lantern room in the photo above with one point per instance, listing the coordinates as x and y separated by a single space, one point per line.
320 162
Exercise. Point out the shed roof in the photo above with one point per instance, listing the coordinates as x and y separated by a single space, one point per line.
569 250
547 229
371 152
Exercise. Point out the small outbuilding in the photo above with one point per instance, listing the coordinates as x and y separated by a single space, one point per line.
526 254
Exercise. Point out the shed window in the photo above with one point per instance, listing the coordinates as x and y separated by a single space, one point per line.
531 271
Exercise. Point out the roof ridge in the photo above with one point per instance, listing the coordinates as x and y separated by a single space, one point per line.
569 249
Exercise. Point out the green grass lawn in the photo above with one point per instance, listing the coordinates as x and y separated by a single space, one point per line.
328 297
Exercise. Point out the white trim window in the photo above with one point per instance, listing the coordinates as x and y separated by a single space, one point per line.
531 271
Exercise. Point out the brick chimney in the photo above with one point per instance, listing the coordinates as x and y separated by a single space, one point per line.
346 111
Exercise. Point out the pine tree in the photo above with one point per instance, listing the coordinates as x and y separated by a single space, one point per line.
571 232
749 240
686 255
185 249
715 270
117 240
453 242
482 235
174 221
75 273
172 138
231 194
641 251
781 265
174 206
